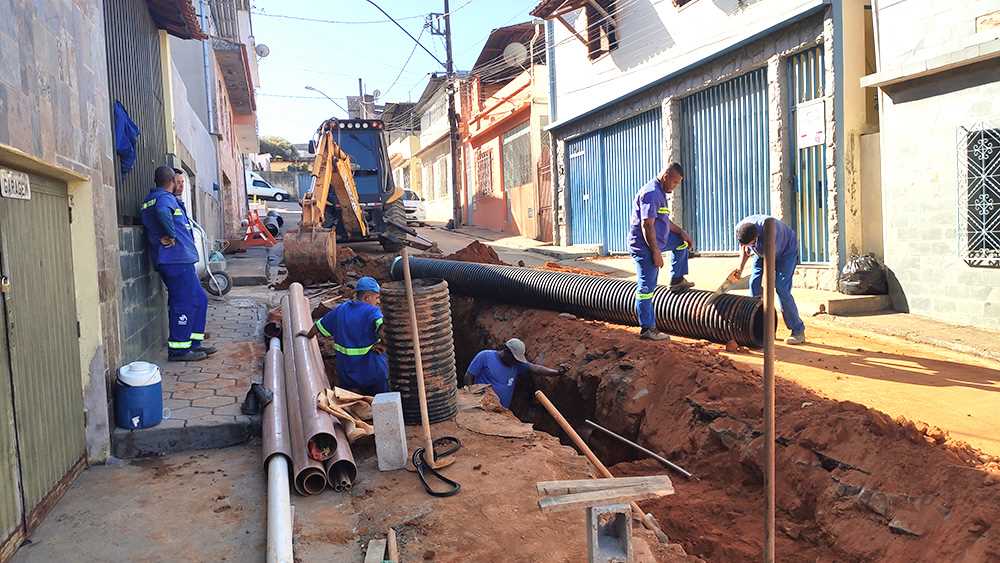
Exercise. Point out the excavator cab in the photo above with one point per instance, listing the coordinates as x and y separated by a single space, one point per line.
352 198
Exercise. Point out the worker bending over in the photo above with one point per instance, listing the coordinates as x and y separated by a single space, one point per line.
786 250
356 329
500 368
651 232
172 251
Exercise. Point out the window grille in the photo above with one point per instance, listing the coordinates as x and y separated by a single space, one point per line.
979 195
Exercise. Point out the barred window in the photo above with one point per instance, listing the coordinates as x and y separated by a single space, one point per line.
979 195
484 172
516 157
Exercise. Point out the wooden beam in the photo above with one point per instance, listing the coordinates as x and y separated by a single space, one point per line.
572 30
607 17
600 498
588 485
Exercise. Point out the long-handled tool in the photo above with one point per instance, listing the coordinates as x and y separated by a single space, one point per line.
646 451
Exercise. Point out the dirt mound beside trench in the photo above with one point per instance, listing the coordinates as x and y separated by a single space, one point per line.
853 484
477 252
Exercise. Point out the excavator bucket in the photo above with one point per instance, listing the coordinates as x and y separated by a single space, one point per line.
311 255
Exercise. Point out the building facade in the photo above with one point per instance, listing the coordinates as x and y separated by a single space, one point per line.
759 101
938 79
434 153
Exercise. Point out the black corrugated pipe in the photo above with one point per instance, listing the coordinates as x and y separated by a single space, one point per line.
691 313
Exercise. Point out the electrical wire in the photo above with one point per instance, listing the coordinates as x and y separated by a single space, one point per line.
385 93
259 12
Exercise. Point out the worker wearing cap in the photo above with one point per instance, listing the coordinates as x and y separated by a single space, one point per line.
651 233
171 249
356 329
786 250
501 367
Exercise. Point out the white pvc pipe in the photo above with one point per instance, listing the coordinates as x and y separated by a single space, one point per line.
279 512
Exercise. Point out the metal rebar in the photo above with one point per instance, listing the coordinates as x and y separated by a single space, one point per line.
648 452
689 313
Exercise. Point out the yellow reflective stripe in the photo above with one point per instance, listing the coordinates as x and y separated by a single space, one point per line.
683 246
173 345
663 210
643 296
177 211
322 330
197 336
378 322
148 204
352 351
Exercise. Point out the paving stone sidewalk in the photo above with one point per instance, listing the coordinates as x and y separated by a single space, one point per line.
202 400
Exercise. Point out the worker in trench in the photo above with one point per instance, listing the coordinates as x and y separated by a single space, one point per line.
356 329
170 243
651 233
500 368
786 249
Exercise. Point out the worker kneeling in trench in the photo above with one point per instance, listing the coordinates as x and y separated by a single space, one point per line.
501 367
356 329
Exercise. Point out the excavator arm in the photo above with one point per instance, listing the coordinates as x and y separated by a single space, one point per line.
331 168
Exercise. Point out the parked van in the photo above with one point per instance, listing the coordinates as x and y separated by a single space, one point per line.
261 188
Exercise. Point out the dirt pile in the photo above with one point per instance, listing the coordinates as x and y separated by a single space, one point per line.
557 267
853 484
477 252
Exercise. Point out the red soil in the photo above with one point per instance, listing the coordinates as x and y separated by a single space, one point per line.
477 252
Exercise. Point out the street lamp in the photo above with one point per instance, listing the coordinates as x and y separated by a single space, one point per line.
320 92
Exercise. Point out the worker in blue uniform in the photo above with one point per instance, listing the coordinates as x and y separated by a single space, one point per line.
651 233
172 251
786 250
199 297
356 329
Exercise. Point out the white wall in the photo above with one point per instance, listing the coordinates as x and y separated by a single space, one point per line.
197 141
907 28
655 38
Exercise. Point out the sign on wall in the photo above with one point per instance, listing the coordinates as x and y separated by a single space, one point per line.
810 123
14 184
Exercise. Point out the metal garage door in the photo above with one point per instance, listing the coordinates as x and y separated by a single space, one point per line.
632 157
606 169
41 345
806 89
586 190
725 158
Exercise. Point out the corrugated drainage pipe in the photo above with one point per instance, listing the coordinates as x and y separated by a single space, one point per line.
691 313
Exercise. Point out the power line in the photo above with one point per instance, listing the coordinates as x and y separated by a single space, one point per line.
379 8
337 22
405 63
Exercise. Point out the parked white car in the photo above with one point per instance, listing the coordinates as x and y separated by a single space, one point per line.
257 186
416 212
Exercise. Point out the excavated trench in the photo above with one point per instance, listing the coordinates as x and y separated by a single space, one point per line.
853 484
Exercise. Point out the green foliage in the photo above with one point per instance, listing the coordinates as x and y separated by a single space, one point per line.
279 147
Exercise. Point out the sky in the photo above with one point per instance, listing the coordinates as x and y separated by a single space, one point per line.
332 56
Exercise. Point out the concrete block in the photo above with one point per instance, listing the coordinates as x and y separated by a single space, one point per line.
858 305
609 534
390 433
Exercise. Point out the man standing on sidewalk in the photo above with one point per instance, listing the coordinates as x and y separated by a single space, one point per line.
171 249
651 232
199 298
786 250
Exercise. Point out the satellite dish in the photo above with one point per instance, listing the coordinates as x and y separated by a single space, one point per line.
515 54
262 50
376 94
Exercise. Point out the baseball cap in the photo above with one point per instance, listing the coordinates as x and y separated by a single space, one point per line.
516 348
367 283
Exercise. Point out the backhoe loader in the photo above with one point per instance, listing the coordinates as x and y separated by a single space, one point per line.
352 198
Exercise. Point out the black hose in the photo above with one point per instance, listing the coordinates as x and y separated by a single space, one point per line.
692 313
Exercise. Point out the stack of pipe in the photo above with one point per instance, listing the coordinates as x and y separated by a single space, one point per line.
277 458
295 428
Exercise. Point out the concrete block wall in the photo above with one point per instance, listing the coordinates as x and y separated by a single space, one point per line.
143 317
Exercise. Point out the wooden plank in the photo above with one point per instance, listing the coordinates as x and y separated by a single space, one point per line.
600 498
588 485
572 30
376 551
392 546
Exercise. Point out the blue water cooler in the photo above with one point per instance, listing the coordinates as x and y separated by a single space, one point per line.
138 396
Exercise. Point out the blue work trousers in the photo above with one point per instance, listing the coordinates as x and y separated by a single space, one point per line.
648 275
784 271
367 374
187 305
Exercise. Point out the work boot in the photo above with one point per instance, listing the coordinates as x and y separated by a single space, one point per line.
680 285
653 334
192 355
206 349
797 338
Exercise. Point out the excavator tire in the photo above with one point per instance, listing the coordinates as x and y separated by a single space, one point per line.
397 213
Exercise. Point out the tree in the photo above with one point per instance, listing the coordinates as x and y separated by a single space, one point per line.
279 147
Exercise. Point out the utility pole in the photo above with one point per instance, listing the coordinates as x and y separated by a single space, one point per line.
361 101
453 140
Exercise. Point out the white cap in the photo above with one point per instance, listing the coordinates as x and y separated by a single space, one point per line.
516 348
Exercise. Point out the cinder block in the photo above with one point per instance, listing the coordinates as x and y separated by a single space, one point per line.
609 534
390 433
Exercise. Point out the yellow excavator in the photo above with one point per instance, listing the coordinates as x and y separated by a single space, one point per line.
352 198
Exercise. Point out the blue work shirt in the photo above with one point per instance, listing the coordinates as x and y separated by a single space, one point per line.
786 244
650 203
487 367
354 327
160 208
